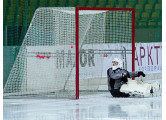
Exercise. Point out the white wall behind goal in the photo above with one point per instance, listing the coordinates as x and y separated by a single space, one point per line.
148 58
48 62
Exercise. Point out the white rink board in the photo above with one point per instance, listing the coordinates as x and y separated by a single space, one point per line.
44 72
148 57
92 65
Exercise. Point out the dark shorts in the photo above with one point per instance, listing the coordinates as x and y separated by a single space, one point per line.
117 93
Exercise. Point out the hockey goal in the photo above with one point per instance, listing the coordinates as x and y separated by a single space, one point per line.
67 51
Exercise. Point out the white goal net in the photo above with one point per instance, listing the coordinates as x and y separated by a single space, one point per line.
46 63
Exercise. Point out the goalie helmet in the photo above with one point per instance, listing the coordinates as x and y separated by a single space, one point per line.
119 65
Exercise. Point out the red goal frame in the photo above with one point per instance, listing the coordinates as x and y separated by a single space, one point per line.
77 38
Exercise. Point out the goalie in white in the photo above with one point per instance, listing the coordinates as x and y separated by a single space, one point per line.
120 86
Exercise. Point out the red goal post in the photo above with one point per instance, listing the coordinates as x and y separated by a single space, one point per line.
77 37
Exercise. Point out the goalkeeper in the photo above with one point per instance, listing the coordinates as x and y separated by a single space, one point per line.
119 86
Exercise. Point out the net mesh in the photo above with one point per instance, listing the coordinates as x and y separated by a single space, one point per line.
108 32
45 64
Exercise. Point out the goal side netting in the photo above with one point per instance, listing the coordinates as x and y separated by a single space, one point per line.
46 63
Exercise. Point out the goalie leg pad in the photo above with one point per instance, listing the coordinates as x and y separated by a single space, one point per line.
137 88
156 89
140 88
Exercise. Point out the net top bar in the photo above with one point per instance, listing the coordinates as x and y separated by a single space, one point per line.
86 8
98 8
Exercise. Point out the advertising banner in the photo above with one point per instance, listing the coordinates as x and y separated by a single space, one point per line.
148 57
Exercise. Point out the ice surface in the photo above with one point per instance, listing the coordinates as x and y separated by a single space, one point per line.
101 106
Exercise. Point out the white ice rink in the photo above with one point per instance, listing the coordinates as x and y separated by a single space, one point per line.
95 107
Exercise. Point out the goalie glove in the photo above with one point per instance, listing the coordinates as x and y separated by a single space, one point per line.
140 73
